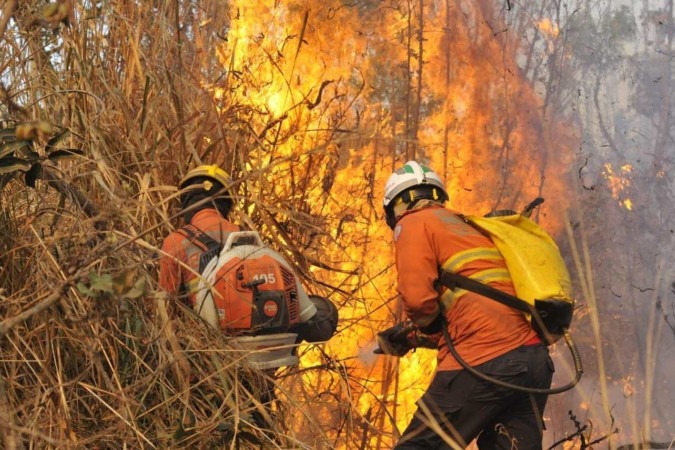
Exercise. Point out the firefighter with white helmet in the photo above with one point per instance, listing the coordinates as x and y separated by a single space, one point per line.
409 184
491 337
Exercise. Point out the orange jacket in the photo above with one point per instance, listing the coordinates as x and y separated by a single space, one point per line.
179 263
481 328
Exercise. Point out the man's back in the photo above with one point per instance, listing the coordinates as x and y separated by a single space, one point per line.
180 262
481 328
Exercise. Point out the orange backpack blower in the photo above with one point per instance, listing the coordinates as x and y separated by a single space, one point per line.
245 287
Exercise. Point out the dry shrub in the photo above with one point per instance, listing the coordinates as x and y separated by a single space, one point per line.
92 355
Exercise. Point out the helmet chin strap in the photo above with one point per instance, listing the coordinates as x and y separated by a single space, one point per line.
410 198
392 217
412 204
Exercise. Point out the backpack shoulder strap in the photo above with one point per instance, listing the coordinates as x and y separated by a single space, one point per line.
453 280
209 246
198 237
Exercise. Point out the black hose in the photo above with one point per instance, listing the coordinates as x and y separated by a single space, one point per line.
578 368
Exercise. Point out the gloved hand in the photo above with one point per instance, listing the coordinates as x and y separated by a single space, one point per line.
401 338
394 341
322 326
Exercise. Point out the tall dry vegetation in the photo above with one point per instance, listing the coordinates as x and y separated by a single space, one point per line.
116 100
113 102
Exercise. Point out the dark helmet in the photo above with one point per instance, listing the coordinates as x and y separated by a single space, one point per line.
202 183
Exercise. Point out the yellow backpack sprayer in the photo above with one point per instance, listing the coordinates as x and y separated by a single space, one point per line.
540 278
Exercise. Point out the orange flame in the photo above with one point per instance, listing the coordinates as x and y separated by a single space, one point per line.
488 140
548 28
619 183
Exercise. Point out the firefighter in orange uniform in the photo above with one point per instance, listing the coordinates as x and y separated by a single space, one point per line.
178 267
206 202
489 336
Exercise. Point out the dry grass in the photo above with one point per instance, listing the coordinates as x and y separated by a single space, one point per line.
91 354
119 364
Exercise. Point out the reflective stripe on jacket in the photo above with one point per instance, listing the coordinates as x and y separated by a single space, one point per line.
481 329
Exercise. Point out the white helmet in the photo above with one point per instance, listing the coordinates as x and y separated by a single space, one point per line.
410 183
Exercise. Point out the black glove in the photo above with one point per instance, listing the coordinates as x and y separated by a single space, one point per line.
394 341
322 326
401 338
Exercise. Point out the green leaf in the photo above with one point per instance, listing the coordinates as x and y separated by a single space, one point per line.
123 281
64 153
29 154
10 164
58 137
11 146
136 291
33 174
83 289
102 283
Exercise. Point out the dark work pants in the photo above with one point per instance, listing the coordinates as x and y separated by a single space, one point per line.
466 407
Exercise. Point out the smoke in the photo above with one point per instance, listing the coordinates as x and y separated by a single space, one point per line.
366 355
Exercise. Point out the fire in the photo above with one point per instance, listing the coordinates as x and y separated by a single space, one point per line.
619 183
548 28
320 83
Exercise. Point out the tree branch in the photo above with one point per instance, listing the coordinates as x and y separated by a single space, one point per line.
7 13
11 322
